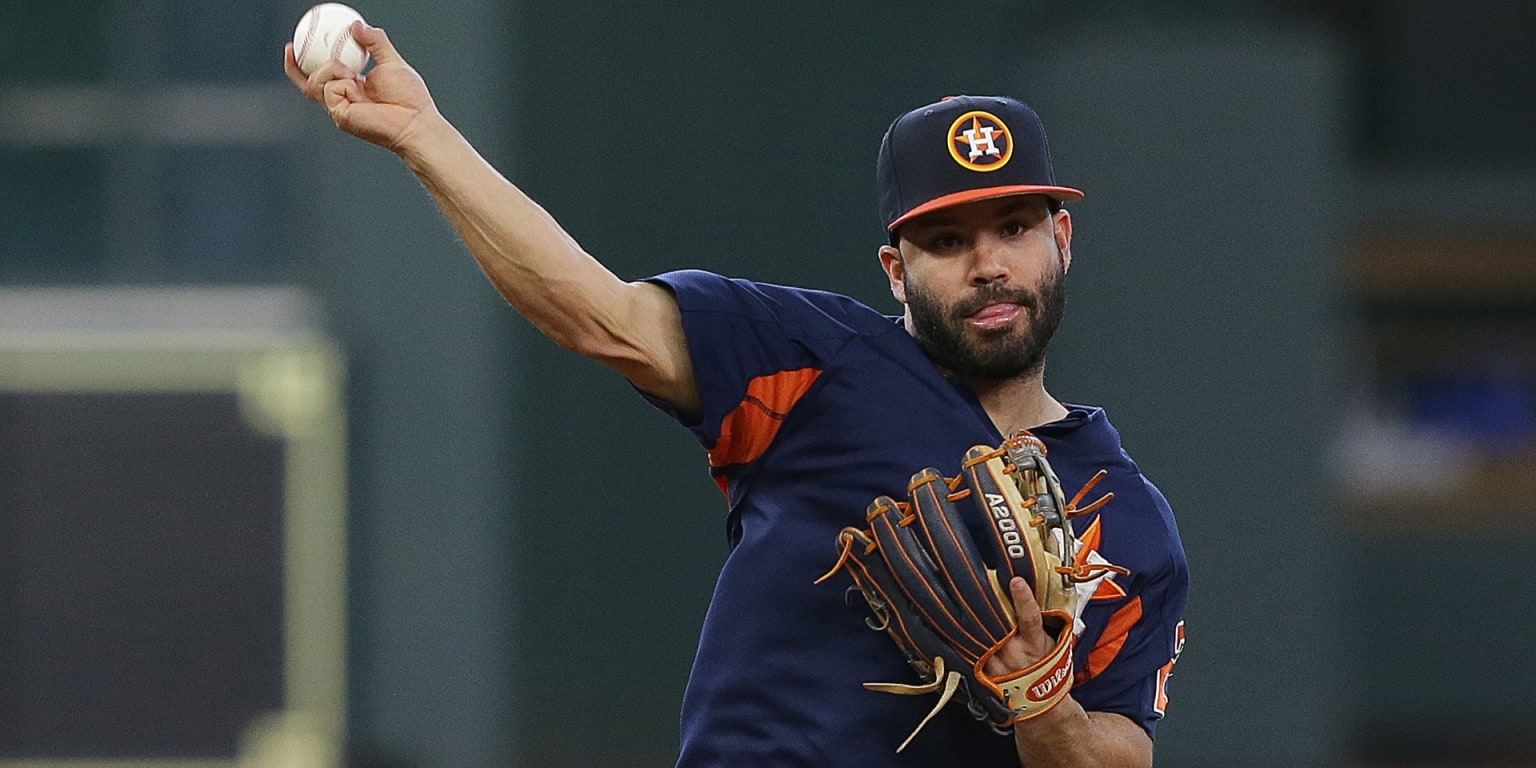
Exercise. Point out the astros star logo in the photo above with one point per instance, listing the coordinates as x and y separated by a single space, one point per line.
1103 587
980 142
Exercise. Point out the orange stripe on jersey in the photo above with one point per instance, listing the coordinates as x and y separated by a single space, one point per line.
1113 639
747 431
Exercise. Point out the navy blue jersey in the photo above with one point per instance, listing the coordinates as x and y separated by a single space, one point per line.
813 405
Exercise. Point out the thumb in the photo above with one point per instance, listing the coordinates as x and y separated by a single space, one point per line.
377 43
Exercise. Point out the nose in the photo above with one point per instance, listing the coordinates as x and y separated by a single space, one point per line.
989 262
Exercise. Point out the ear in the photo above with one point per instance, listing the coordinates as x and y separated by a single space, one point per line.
1063 231
895 271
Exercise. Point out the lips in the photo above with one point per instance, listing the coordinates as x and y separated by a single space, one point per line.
994 316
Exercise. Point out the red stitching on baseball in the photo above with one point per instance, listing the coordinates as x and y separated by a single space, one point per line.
309 36
341 42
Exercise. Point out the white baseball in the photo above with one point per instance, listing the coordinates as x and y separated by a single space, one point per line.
325 33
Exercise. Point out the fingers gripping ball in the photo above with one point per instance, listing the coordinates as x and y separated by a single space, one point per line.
325 33
941 594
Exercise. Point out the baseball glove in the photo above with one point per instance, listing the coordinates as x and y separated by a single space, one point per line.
943 596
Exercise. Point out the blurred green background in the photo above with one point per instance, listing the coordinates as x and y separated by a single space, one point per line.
1303 284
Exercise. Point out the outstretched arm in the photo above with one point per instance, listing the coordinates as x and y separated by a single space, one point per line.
634 328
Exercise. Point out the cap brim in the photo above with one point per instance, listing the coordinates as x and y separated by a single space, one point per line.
1063 194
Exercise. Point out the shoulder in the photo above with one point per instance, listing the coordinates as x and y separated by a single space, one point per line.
804 309
1138 524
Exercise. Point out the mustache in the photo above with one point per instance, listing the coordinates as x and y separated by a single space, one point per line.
994 293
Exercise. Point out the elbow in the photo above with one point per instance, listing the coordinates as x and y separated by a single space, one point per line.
600 341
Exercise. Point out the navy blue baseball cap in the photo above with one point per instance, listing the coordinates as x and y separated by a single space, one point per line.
959 150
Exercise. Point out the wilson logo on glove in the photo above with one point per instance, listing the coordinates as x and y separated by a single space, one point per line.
1046 688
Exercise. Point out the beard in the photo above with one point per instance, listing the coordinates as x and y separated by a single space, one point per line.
996 355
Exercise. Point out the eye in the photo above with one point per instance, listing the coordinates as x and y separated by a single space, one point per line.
1014 228
944 242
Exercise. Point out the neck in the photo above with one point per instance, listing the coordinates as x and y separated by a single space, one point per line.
1018 403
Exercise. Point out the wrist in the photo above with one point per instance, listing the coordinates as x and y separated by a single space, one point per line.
1055 736
1065 713
428 141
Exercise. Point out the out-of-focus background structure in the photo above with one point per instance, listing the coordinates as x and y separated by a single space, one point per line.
278 470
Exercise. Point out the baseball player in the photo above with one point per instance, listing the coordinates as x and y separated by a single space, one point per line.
810 404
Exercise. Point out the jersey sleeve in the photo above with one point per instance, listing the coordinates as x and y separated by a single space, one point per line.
1127 658
756 349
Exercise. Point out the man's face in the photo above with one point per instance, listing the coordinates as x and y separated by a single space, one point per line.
984 284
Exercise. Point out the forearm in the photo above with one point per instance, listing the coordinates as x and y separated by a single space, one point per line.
1068 737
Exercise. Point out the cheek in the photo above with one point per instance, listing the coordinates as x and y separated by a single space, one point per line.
935 281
